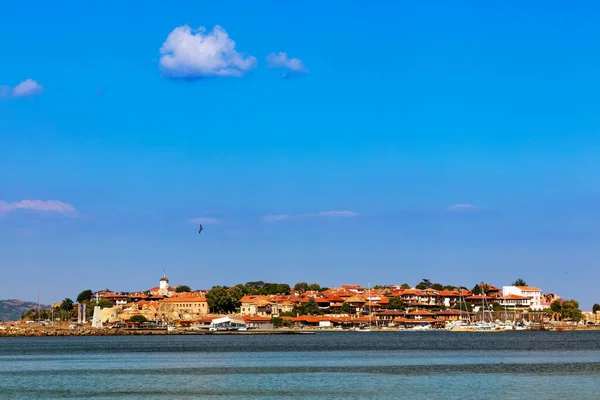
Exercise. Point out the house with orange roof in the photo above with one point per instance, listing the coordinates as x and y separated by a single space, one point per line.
513 301
265 306
527 291
452 315
354 288
335 302
479 300
355 304
115 298
420 314
258 322
419 298
386 318
449 298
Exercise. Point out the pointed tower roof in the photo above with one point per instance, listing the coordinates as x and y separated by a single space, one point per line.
164 278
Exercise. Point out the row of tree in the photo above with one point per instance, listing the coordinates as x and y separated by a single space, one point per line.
566 309
64 311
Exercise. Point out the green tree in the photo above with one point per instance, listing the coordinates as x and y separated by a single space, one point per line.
437 286
274 288
67 305
596 308
33 314
556 306
405 286
314 286
346 308
519 282
301 287
312 307
85 296
424 284
396 303
309 308
279 322
570 309
254 287
137 318
182 289
219 300
480 288
288 314
449 287
237 292
103 303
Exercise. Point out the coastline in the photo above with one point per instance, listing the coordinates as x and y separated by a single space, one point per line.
64 331
50 332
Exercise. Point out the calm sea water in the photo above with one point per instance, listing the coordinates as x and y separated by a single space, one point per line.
358 365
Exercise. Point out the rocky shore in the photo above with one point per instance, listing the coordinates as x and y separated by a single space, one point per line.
37 332
27 331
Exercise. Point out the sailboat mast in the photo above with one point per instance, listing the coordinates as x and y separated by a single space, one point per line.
368 299
38 305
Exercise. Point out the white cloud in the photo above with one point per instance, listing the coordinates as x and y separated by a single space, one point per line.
281 60
190 54
463 207
330 214
27 88
337 214
54 206
273 218
204 220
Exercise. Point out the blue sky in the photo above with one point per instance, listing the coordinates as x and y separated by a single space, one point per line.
377 120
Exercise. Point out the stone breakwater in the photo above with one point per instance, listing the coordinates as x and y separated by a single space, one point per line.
48 331
24 332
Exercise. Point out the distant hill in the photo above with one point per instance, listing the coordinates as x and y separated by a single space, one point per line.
12 310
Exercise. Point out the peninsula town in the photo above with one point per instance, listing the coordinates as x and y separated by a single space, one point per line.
264 306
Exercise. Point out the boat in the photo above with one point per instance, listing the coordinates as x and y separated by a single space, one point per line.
421 327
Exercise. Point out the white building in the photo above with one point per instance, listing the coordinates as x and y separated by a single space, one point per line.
228 324
535 294
163 288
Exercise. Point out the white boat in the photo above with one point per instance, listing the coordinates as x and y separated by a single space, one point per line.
421 327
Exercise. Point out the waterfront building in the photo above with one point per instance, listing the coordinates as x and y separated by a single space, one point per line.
184 306
528 291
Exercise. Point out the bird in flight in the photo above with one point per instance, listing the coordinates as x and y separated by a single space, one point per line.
200 229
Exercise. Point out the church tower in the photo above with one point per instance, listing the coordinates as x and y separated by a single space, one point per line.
163 286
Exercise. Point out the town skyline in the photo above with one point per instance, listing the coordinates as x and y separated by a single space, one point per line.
359 144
